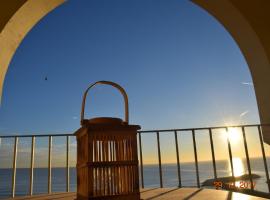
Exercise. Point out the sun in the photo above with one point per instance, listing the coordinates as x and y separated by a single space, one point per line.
233 135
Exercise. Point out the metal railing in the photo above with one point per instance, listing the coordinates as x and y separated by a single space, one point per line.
194 131
175 132
33 139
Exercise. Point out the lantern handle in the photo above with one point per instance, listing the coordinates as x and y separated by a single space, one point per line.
123 92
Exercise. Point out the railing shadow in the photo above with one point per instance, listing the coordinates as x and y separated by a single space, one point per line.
193 194
161 194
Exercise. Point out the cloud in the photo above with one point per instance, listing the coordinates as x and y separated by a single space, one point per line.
247 83
244 113
74 117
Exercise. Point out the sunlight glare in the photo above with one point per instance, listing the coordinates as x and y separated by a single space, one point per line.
239 196
233 135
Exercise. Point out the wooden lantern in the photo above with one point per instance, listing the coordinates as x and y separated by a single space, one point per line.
107 160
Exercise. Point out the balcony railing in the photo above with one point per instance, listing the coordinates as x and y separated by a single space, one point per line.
175 132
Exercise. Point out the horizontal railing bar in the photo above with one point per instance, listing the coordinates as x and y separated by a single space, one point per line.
202 128
144 131
46 135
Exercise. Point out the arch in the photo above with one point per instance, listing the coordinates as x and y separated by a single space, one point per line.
246 21
17 19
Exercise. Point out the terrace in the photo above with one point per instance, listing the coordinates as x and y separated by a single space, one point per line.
236 177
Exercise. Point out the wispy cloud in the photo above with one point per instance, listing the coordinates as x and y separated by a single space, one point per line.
74 117
244 113
247 83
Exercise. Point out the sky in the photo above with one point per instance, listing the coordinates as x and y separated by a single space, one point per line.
178 65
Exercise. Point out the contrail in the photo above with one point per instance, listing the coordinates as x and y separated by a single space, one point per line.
244 113
247 83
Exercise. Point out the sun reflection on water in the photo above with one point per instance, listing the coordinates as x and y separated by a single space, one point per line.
238 167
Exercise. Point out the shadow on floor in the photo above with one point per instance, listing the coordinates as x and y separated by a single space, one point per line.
162 194
147 190
193 194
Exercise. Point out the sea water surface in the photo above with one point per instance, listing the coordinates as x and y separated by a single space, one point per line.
150 172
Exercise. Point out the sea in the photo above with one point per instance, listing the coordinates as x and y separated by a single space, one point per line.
150 173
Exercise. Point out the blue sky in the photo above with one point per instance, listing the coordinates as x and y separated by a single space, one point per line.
179 66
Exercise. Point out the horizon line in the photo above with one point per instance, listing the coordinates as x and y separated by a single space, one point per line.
167 163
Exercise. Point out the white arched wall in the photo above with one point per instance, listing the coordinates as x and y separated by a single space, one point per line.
17 26
247 22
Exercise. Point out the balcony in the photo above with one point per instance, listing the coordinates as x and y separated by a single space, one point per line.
225 179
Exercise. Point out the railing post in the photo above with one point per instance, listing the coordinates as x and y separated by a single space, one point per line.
247 158
32 165
67 164
264 157
159 161
49 164
141 160
196 158
177 157
230 152
213 153
14 166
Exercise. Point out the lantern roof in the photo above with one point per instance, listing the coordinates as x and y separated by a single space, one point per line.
107 124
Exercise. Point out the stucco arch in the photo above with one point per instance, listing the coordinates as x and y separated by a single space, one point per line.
247 21
249 24
17 18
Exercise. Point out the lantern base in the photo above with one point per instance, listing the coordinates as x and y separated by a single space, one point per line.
111 197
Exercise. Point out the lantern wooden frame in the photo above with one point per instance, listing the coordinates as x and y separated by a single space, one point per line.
107 160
